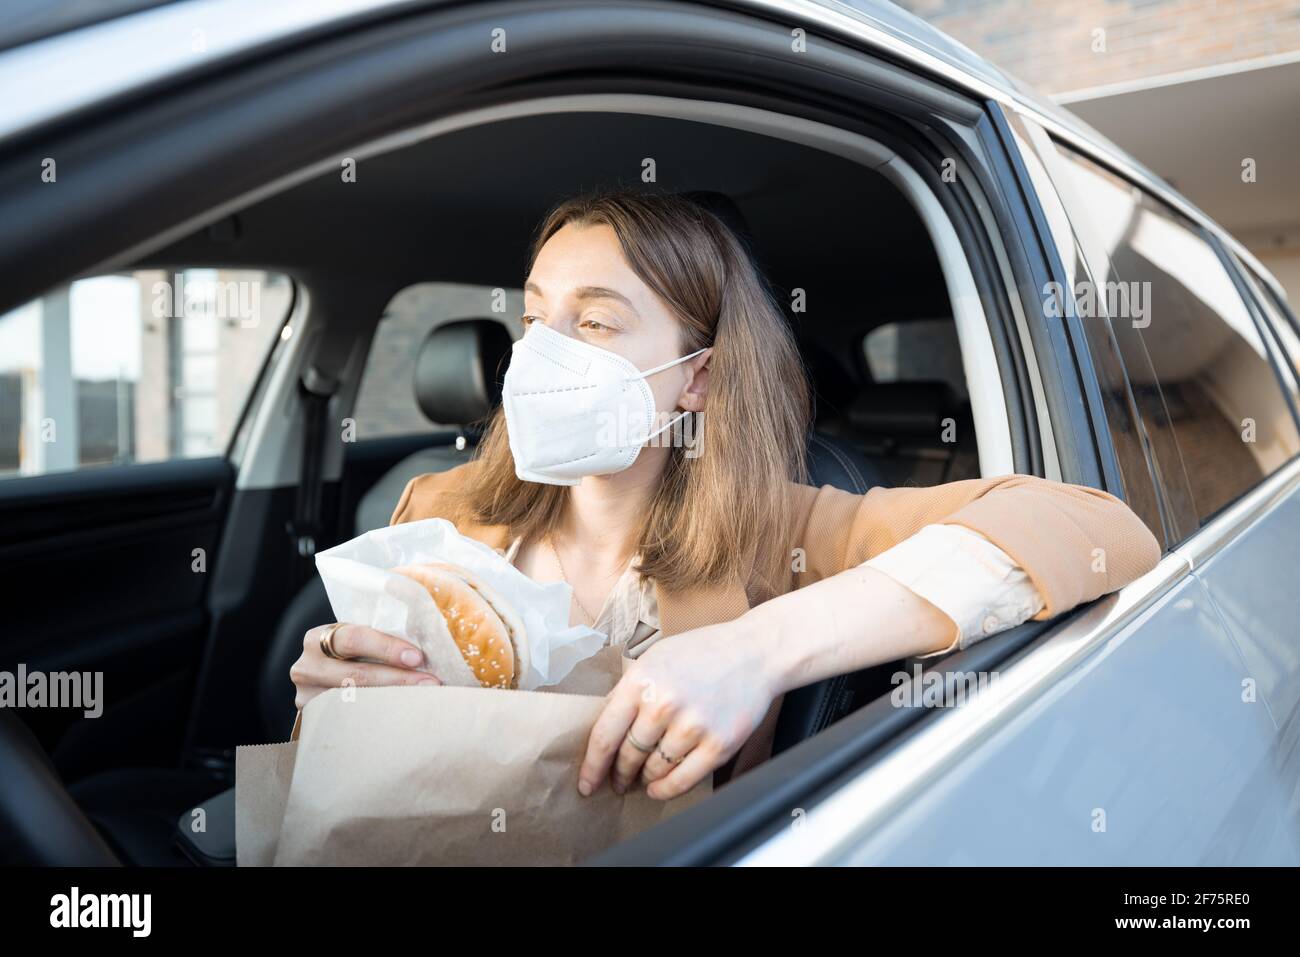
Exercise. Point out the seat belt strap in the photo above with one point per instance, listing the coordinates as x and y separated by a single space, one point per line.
306 527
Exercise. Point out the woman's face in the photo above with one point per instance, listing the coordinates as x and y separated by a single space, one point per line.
581 286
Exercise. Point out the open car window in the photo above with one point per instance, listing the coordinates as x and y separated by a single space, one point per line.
146 366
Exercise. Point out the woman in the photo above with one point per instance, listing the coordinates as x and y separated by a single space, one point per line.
728 579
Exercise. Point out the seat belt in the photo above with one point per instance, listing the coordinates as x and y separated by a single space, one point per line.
315 390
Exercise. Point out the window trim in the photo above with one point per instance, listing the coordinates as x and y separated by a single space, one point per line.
1256 292
1049 148
1268 337
257 393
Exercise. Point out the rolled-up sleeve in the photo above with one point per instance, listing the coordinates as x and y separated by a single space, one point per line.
1074 543
965 576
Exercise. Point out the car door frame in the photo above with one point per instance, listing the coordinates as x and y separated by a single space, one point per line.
859 804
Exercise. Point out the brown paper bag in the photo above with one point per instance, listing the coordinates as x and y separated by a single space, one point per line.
441 776
262 775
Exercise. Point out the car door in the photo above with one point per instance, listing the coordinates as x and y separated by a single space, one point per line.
1141 731
1145 730
123 396
1137 730
1247 558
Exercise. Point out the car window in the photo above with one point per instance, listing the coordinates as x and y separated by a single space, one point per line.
1212 408
1131 443
386 403
1282 327
918 350
137 367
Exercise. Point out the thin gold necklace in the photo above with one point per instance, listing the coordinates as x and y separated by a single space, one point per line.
550 541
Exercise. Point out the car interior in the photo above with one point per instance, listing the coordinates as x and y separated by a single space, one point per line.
848 258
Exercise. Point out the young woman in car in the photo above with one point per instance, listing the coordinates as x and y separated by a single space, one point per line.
727 578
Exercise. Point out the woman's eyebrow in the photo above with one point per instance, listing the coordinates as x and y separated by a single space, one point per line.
600 292
586 292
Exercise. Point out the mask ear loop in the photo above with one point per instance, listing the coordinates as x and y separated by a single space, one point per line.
667 365
660 368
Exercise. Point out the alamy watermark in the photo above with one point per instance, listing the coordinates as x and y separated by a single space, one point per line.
239 300
937 689
1116 300
55 689
621 430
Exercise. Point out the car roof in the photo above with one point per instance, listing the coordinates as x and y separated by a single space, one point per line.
914 31
41 67
963 63
26 21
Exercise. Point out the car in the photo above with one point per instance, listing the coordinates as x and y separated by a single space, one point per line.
263 264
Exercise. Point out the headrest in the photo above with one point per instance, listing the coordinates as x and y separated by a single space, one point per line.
902 408
459 370
833 386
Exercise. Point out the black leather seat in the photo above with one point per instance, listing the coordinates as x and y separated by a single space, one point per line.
914 433
458 375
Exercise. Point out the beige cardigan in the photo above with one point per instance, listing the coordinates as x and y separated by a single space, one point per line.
1075 543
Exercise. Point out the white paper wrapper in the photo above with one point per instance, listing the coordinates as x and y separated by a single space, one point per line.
363 591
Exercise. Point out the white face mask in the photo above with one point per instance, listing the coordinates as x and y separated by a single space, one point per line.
574 409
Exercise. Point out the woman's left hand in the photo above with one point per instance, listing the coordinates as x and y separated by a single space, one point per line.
680 711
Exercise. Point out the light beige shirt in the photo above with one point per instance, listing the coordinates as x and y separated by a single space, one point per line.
630 615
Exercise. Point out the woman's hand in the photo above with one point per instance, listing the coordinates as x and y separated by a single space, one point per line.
692 699
391 661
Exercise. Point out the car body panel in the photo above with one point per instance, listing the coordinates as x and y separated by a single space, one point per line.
1252 583
1145 753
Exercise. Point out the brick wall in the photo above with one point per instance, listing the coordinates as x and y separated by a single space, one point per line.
1050 45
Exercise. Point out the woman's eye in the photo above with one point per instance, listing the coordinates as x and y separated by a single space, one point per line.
528 320
595 325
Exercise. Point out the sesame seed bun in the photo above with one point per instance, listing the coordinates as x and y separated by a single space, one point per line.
489 635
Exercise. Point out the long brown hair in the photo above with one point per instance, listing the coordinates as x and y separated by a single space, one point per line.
713 510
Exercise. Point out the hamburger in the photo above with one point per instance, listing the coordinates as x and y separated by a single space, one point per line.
487 632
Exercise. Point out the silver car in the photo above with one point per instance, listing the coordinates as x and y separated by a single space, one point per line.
980 285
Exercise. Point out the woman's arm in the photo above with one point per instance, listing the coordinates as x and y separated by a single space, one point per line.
858 618
691 701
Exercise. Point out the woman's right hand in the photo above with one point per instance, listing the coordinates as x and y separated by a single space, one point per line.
315 672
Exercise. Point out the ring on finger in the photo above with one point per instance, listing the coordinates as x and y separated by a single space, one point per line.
643 748
660 752
327 643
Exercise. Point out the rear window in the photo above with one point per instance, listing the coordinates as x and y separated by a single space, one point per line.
918 350
1213 409
386 403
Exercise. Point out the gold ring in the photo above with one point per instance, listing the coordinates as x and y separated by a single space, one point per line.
644 749
327 642
660 752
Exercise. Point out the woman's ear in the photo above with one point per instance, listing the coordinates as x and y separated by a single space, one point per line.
697 383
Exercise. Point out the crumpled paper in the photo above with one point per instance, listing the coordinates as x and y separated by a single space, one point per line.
363 591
